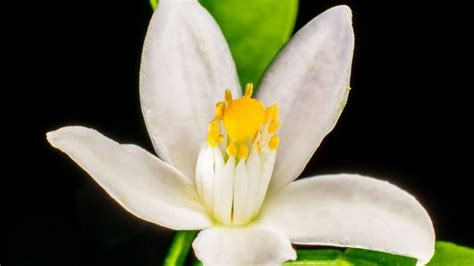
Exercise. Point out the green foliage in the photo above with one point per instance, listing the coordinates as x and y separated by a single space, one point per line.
254 29
351 256
445 254
453 255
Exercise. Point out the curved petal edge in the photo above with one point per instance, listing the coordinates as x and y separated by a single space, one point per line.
144 185
351 211
250 245
309 79
185 68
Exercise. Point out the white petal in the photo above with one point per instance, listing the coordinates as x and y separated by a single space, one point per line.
254 167
144 185
207 177
309 80
268 162
186 66
351 211
204 168
241 188
251 245
224 192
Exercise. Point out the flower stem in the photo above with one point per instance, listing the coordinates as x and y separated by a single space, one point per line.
179 249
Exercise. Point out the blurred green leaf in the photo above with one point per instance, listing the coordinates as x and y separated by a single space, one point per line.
365 257
453 255
255 30
351 256
154 3
445 254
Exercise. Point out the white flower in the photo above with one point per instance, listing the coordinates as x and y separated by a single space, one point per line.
222 168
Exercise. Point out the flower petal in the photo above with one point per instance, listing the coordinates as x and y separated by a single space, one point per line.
251 245
144 185
186 66
309 80
351 211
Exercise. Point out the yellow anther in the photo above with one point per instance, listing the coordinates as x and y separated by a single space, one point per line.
243 152
228 96
220 109
248 90
243 118
214 137
213 127
271 112
231 150
274 142
274 124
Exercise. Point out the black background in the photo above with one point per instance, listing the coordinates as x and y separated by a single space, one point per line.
76 62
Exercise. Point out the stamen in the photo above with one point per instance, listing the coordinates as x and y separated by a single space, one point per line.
214 137
248 90
228 96
272 128
257 136
271 112
231 150
274 142
220 109
243 152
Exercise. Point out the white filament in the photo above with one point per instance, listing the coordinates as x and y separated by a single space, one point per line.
233 190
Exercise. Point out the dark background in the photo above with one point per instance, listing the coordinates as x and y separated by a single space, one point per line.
76 62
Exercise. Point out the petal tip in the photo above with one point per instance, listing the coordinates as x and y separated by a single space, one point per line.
341 9
54 137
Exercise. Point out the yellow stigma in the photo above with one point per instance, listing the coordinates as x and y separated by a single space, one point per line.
248 90
244 116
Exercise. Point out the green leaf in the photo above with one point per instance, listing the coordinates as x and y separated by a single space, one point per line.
445 254
153 3
351 256
254 29
365 257
453 255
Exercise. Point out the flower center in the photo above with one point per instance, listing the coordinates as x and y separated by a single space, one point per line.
235 165
242 118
